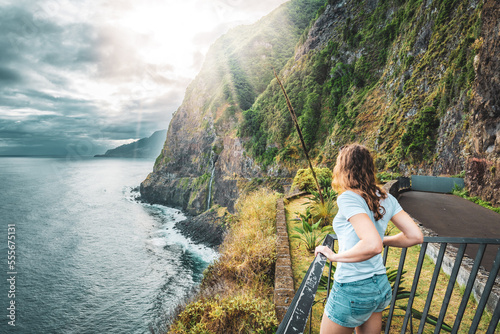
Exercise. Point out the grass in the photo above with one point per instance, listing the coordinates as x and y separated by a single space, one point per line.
236 294
464 193
301 259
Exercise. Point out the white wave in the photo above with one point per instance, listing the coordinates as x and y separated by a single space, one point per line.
131 194
157 242
171 236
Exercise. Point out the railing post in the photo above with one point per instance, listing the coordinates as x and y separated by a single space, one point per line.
432 287
396 287
494 320
413 292
449 289
486 294
468 288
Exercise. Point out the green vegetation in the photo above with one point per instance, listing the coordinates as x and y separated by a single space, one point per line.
310 233
324 210
386 78
304 180
387 176
236 291
419 139
240 64
241 313
460 175
464 193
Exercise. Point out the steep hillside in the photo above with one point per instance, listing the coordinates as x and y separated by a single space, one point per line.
415 80
201 141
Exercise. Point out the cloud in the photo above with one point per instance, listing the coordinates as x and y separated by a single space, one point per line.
206 38
76 76
8 76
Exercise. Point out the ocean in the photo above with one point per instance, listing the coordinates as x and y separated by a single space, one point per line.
80 254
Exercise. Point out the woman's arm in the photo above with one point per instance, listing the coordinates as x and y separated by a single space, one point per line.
410 233
368 246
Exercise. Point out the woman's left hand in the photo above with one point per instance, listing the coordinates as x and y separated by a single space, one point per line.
325 251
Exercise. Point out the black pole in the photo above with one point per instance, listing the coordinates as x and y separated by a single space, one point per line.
296 122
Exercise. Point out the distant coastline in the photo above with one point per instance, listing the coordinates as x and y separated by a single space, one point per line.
145 148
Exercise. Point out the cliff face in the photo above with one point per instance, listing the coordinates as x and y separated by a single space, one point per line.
417 81
483 139
202 156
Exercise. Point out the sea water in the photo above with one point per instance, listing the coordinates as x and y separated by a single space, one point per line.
80 254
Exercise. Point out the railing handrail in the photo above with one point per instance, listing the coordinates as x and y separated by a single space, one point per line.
296 316
461 240
295 319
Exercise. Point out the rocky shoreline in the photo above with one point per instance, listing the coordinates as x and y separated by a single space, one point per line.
208 228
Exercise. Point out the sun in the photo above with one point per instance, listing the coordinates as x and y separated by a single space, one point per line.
168 30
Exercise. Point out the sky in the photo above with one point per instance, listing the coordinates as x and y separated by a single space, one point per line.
81 77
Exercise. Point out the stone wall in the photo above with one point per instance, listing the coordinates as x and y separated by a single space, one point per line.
392 187
283 282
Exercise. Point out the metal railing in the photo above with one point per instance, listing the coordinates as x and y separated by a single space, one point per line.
296 317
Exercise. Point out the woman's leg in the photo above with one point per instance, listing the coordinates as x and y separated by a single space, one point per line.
372 326
329 327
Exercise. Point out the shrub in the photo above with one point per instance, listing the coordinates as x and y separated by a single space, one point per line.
236 291
310 234
243 313
387 176
419 139
325 211
464 193
305 182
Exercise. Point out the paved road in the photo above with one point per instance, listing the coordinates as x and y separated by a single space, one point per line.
453 216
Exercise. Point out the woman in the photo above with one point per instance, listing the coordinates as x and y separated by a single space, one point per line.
361 290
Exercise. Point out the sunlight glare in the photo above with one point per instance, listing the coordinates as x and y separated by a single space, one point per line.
169 29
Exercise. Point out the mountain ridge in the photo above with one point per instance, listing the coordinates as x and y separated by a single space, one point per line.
148 147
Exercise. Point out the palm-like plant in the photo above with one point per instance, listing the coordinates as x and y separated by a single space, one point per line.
326 210
311 234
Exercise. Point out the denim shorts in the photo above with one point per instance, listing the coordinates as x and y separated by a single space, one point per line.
351 304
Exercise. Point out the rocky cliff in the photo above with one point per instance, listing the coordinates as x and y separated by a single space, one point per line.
203 161
417 81
482 143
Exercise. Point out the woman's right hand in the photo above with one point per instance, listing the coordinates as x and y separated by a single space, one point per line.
326 251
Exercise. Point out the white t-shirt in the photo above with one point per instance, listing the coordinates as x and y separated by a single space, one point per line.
350 204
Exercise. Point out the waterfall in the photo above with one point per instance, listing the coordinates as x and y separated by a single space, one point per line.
211 179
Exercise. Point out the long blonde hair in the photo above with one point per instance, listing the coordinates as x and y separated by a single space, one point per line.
355 170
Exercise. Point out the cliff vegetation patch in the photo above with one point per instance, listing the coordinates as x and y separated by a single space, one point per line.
236 294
